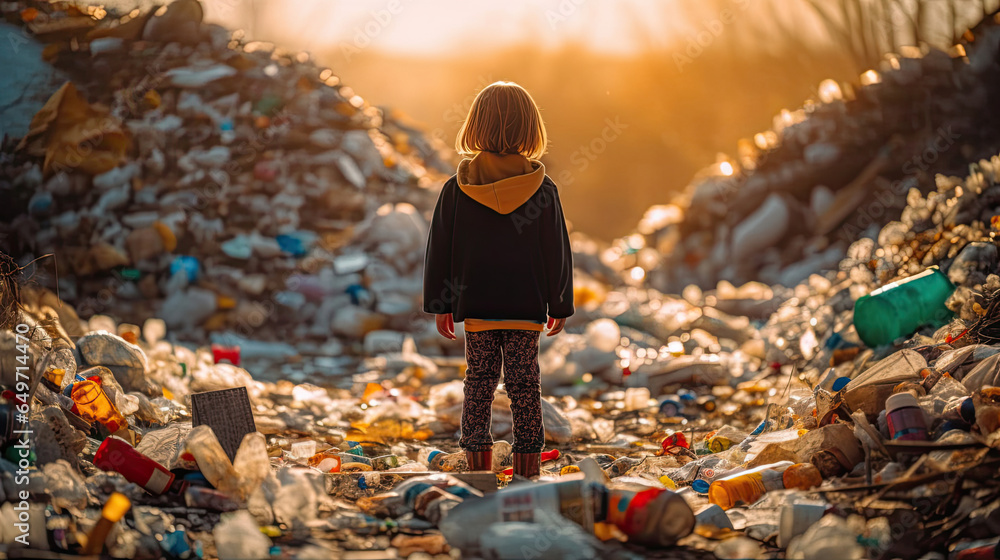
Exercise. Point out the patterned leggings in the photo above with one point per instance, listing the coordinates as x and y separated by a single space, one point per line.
517 352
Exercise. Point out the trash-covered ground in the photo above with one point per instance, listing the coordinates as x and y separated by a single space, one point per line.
231 361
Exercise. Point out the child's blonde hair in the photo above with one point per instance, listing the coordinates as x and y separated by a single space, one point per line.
504 119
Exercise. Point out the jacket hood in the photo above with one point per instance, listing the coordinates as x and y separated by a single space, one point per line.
501 182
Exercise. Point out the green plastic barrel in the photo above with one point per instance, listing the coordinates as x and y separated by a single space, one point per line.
900 308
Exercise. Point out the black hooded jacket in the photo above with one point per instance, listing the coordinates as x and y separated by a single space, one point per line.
499 250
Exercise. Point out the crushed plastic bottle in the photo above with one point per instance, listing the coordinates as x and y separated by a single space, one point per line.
212 460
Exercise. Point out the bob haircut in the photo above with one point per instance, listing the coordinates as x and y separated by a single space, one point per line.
503 119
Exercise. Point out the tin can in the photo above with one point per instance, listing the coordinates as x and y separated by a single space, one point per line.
906 419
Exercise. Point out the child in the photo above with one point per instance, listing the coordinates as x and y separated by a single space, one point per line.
498 257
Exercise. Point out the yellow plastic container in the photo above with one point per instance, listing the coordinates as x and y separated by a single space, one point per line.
749 486
95 406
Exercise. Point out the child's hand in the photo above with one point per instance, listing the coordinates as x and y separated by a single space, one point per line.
445 325
555 326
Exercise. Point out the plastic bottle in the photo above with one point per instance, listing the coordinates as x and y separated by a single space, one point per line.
60 357
212 460
900 308
905 418
707 468
706 477
115 454
94 405
549 536
114 509
648 516
749 486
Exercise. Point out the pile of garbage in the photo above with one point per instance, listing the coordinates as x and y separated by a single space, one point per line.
853 413
224 185
796 196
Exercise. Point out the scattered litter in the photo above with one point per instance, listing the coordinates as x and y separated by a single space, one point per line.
234 365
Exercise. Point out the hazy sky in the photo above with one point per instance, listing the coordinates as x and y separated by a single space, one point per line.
433 27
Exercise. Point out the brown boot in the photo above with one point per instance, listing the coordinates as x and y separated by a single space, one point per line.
527 465
479 460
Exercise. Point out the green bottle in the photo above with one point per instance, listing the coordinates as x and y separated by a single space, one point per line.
900 308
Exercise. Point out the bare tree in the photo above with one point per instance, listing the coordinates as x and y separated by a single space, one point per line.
871 28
